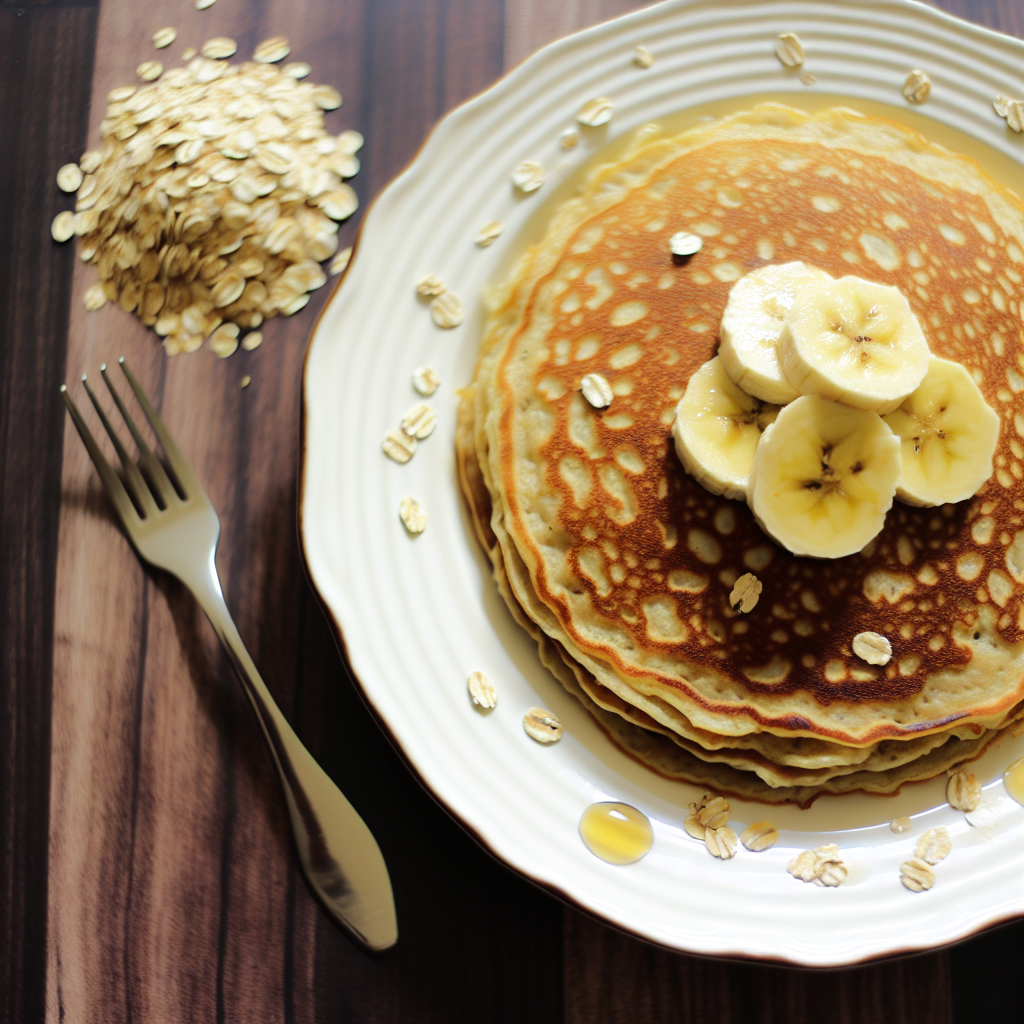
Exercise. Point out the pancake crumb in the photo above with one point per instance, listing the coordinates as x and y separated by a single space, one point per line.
569 139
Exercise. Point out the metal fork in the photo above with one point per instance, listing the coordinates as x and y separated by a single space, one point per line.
172 525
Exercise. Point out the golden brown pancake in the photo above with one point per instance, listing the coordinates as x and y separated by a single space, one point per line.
626 563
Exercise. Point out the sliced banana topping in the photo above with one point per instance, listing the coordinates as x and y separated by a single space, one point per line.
717 428
823 477
948 435
854 342
753 319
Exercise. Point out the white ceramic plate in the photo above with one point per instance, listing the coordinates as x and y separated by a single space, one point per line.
418 615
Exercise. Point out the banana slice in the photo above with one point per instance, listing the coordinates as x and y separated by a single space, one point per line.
717 428
854 342
948 435
754 315
823 477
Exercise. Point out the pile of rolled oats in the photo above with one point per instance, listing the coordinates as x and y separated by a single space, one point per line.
214 196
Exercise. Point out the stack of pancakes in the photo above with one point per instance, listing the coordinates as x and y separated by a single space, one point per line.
621 565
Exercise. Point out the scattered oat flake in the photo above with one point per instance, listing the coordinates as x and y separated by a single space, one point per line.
642 57
808 79
425 380
1000 104
69 177
541 725
721 842
745 593
900 824
873 648
963 791
714 813
596 112
150 70
419 421
89 161
219 48
63 226
1015 115
270 51
297 69
596 390
985 815
428 286
933 846
916 875
246 381
528 176
822 866
446 310
326 97
682 243
201 5
693 827
412 515
917 87
252 340
399 446
489 233
188 53
789 49
759 836
94 298
163 37
340 261
569 139
482 691
224 340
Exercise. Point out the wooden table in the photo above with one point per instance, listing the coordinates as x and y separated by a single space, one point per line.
146 870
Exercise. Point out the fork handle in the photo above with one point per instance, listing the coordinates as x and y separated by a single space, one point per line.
338 853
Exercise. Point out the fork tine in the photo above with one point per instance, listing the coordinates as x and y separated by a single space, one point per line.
135 484
182 470
158 477
115 489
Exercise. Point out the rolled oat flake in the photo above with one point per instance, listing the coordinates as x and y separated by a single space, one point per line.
682 243
482 691
596 390
541 725
873 648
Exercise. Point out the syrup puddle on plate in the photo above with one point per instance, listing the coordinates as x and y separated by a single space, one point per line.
1013 780
616 833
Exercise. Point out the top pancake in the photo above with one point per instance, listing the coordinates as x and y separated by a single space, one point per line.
633 558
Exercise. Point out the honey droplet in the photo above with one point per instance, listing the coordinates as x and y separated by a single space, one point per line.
617 833
1013 780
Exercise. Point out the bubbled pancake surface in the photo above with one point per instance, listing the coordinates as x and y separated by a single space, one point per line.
631 560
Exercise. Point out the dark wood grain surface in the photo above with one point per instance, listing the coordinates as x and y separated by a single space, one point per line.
146 871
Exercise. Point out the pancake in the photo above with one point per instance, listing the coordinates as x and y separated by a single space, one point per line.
735 772
632 560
